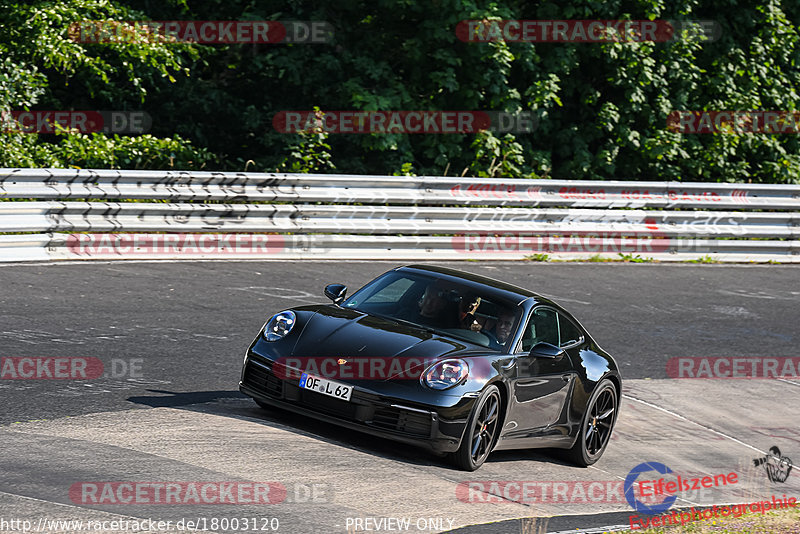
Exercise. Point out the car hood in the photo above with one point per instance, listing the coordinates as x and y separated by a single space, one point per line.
333 332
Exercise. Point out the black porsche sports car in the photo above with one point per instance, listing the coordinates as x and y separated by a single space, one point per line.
455 362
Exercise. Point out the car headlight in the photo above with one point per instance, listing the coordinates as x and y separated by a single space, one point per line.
445 374
279 325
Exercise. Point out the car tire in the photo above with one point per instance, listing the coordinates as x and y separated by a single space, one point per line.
480 435
596 426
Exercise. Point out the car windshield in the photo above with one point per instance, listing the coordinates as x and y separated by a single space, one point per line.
443 306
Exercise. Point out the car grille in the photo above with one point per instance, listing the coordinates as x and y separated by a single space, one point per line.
399 420
363 408
258 375
322 403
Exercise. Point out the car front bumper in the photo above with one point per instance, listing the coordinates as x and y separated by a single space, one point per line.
437 428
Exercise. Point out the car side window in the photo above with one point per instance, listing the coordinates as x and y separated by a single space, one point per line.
569 333
542 327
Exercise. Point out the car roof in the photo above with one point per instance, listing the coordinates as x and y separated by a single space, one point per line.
503 290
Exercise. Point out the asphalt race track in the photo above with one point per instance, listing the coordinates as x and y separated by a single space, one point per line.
171 337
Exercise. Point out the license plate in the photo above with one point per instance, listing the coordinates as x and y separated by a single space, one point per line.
326 387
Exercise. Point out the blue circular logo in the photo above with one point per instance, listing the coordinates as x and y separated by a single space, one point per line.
638 505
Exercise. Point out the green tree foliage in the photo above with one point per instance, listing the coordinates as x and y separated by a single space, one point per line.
42 68
602 108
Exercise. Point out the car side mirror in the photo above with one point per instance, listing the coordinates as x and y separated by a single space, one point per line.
336 292
546 350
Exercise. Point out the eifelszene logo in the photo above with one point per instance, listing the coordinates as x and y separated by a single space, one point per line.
635 503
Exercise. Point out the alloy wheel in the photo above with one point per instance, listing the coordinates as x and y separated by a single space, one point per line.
484 428
601 420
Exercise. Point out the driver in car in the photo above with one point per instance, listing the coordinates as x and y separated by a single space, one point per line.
501 331
431 308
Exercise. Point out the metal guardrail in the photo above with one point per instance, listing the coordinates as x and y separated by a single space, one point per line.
252 215
258 187
159 217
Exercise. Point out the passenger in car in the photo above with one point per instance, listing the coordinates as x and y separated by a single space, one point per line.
467 308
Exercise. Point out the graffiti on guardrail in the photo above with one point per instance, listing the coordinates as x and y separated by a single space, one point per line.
241 187
387 217
155 217
609 195
645 223
495 190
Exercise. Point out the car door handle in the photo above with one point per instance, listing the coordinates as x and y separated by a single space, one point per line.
566 378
